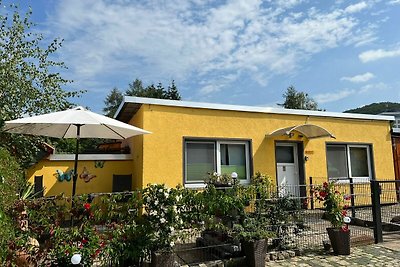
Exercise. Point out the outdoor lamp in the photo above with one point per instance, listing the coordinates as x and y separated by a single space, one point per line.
76 259
234 176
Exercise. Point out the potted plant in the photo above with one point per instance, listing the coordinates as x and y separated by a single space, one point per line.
335 212
253 237
219 180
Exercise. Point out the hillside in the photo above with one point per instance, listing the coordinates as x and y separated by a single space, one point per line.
376 108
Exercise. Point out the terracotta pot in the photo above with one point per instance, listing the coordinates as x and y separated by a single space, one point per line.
340 240
255 252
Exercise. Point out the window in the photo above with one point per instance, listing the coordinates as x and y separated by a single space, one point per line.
203 157
200 160
396 123
346 161
122 183
38 186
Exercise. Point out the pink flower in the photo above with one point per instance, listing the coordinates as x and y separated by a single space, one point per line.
345 228
347 197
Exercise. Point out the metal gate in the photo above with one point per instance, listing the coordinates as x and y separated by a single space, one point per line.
385 209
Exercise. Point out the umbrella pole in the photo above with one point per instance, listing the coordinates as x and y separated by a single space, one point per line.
75 176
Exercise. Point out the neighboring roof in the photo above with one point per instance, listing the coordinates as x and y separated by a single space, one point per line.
391 113
131 105
310 131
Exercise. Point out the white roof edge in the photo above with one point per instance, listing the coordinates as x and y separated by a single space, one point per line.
120 107
258 109
57 157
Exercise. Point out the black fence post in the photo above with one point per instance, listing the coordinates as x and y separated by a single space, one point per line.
376 211
311 193
353 205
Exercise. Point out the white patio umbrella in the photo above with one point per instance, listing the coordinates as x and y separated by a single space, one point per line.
73 123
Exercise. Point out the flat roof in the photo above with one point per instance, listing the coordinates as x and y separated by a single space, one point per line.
130 105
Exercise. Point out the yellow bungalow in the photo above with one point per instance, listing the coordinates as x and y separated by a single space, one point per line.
190 139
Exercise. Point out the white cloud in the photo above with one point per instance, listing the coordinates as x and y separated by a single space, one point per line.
356 7
394 2
189 40
333 96
359 78
373 55
369 89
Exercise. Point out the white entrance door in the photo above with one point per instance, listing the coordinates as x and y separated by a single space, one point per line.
287 169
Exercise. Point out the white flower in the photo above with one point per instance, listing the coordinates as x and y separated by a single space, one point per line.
156 202
153 213
166 194
160 190
172 229
172 244
162 220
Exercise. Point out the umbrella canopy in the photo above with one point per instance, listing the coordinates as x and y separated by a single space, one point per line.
73 123
63 124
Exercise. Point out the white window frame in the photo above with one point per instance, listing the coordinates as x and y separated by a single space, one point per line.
217 148
360 178
247 156
348 161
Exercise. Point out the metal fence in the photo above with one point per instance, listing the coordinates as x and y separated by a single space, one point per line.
296 217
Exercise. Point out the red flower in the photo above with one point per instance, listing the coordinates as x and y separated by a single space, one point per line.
345 207
344 212
67 252
84 241
86 206
322 194
347 197
325 185
81 245
345 228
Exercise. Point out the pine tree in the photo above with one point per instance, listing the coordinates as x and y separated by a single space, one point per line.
112 102
172 92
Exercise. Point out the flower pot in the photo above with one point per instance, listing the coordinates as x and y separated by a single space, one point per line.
255 252
340 240
162 259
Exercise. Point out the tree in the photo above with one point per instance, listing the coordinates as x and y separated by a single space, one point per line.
298 100
136 88
29 81
376 108
112 101
172 92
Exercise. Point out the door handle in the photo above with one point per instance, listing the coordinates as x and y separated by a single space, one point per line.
284 168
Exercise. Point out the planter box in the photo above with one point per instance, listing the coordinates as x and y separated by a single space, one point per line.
255 252
340 241
162 259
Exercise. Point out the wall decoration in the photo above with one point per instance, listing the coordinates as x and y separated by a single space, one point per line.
99 163
64 176
86 175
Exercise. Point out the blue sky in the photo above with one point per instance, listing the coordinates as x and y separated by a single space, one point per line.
344 54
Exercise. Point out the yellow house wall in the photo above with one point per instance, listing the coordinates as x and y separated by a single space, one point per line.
136 144
101 183
161 153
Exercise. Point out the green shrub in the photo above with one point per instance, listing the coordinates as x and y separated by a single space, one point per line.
11 183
